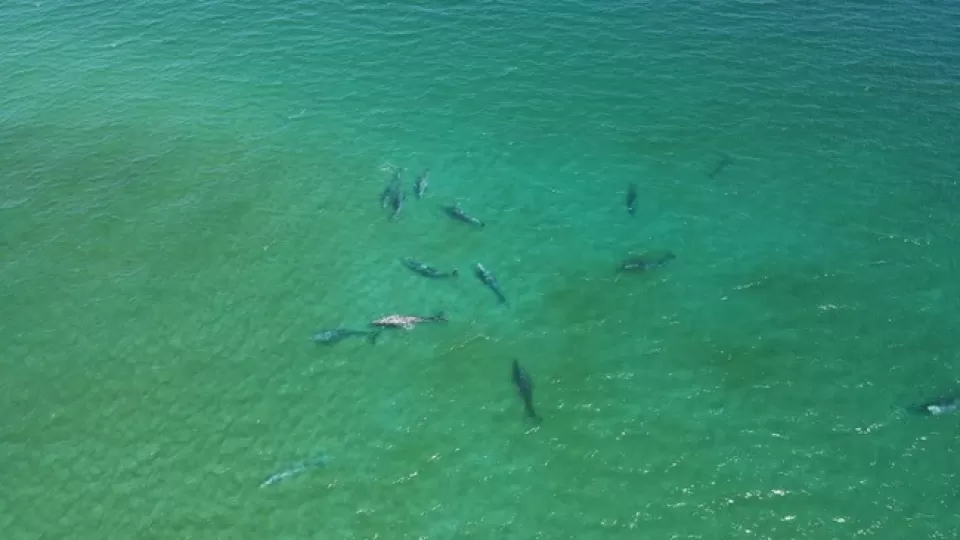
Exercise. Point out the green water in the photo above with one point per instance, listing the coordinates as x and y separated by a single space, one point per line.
189 190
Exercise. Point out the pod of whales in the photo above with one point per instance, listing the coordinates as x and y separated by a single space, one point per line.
392 197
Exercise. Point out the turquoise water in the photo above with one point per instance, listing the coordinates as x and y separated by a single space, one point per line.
189 190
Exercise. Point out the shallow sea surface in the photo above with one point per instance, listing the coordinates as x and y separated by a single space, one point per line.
190 190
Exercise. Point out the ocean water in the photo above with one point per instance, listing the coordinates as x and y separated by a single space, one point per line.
190 190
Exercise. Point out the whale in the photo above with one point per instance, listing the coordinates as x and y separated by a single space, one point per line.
426 270
646 262
420 186
407 322
524 384
720 166
388 193
336 335
491 282
392 194
940 406
396 203
299 468
631 198
457 213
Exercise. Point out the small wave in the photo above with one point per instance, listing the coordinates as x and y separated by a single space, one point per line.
12 203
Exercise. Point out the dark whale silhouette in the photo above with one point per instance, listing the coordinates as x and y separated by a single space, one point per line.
524 384
720 166
458 214
646 262
631 198
426 270
491 282
392 195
